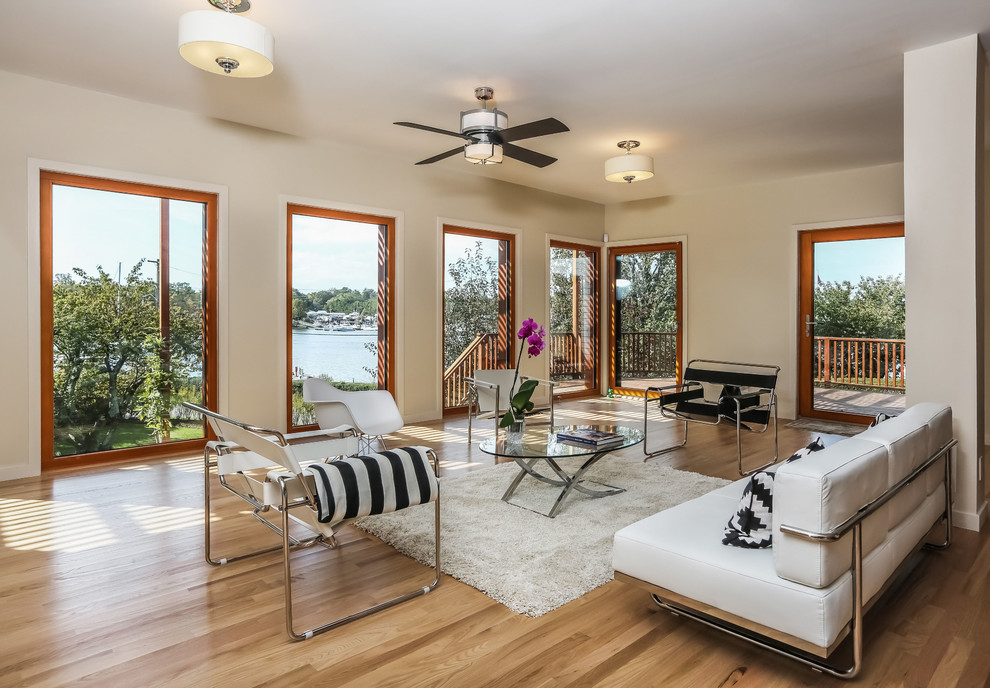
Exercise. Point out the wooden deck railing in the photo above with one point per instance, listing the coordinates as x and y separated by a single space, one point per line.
876 363
480 354
566 360
647 354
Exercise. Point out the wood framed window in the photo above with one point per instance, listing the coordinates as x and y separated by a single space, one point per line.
128 318
340 303
574 317
478 311
645 316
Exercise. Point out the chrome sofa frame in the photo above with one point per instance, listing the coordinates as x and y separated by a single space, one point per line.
794 648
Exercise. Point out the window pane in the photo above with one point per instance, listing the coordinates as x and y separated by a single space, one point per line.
573 318
858 350
477 309
118 378
187 234
336 274
646 319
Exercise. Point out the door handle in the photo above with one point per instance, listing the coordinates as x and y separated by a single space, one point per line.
808 323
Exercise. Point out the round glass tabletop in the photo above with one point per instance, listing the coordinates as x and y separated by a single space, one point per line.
541 442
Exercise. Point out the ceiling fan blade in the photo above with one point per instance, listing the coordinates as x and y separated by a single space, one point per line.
538 128
435 158
525 155
424 127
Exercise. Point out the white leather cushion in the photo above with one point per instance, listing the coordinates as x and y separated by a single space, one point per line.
905 502
906 439
905 536
935 476
679 549
818 493
938 417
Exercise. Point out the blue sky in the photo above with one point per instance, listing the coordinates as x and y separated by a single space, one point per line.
330 254
837 261
116 230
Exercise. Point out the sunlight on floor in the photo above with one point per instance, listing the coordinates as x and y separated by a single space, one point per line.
29 524
162 519
187 465
46 526
419 432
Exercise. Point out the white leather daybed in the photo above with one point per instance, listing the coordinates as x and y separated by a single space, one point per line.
844 519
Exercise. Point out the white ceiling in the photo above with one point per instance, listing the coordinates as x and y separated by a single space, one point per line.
719 92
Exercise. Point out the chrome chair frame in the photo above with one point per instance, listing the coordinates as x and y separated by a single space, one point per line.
854 525
471 399
745 402
294 493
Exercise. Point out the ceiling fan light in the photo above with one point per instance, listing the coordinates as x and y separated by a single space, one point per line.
483 120
483 153
226 44
628 168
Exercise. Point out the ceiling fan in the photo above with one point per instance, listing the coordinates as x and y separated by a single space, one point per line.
487 137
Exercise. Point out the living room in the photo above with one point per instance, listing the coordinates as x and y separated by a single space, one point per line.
739 239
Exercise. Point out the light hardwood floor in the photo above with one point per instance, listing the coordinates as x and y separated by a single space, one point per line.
104 583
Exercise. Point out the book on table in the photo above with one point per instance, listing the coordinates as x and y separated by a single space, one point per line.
589 436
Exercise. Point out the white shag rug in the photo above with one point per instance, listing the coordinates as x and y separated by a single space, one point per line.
530 563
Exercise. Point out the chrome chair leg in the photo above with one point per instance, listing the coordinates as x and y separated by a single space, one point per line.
287 571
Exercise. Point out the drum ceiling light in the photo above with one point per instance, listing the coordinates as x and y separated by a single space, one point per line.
628 168
224 43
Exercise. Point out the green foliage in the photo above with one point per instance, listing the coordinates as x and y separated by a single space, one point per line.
298 309
873 308
520 404
155 401
343 300
471 304
561 290
101 335
649 304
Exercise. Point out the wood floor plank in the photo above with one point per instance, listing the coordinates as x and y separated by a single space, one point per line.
104 583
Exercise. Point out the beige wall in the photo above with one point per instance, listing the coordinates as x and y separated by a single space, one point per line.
741 257
944 238
259 170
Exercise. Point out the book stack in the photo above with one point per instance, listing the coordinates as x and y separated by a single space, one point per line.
590 437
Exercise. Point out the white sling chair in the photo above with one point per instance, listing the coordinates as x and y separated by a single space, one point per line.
260 467
372 413
488 395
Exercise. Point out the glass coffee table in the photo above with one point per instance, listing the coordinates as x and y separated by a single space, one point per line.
539 449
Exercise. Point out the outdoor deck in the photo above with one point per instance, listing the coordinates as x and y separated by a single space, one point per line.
864 402
851 375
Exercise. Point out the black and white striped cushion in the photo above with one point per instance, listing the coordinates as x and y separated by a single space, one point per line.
373 484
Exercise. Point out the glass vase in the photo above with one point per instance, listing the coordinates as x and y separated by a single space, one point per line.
514 433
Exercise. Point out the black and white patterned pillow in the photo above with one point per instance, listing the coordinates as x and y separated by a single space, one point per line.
751 524
881 417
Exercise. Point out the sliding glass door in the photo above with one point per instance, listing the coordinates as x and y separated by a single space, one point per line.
852 357
574 317
478 284
645 316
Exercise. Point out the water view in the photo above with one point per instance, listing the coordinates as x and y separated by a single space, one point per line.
341 356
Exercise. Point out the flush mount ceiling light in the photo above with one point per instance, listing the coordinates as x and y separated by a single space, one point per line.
223 43
628 168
